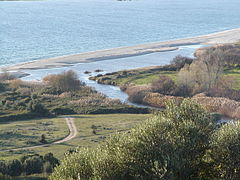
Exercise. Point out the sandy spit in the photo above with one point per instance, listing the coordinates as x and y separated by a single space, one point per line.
229 36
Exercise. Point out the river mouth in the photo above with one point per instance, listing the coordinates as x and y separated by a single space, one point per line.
113 65
86 70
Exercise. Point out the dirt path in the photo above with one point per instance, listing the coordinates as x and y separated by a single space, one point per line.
72 134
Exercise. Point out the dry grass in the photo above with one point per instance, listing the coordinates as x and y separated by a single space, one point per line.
95 99
142 94
221 105
159 100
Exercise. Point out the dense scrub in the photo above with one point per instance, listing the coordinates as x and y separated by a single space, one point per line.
29 164
180 143
56 95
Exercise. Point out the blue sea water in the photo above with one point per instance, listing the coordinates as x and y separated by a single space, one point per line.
31 30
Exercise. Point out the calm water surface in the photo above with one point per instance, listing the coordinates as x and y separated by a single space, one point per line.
32 30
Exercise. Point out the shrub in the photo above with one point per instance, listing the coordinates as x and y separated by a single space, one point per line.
180 61
2 87
66 81
15 84
183 90
6 76
14 167
164 85
38 108
136 94
225 147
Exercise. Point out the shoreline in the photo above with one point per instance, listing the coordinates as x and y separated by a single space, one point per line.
223 37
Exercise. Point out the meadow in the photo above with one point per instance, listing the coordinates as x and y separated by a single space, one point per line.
104 125
144 76
28 133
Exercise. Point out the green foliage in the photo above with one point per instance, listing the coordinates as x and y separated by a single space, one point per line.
160 148
43 100
37 108
22 115
33 165
14 167
30 164
225 148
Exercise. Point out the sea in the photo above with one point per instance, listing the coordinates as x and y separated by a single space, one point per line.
38 29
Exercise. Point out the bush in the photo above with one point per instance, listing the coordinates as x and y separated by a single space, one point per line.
14 167
6 76
38 108
180 61
183 90
66 81
164 85
136 94
29 164
225 148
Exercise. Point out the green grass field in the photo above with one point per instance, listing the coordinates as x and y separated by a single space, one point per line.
235 74
28 133
145 78
105 126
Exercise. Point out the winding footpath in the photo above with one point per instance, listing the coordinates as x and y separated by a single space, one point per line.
72 134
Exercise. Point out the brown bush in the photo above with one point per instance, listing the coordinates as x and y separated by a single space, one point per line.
137 93
6 76
221 105
66 81
160 100
164 85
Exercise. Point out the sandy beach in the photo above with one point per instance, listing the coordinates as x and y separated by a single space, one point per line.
229 36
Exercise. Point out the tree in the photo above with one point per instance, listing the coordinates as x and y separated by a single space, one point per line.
225 148
213 65
43 139
204 73
50 162
51 159
33 165
3 168
14 168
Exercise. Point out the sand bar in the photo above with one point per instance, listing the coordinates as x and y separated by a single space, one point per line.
229 36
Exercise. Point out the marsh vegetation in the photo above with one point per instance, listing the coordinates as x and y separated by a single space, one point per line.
211 78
